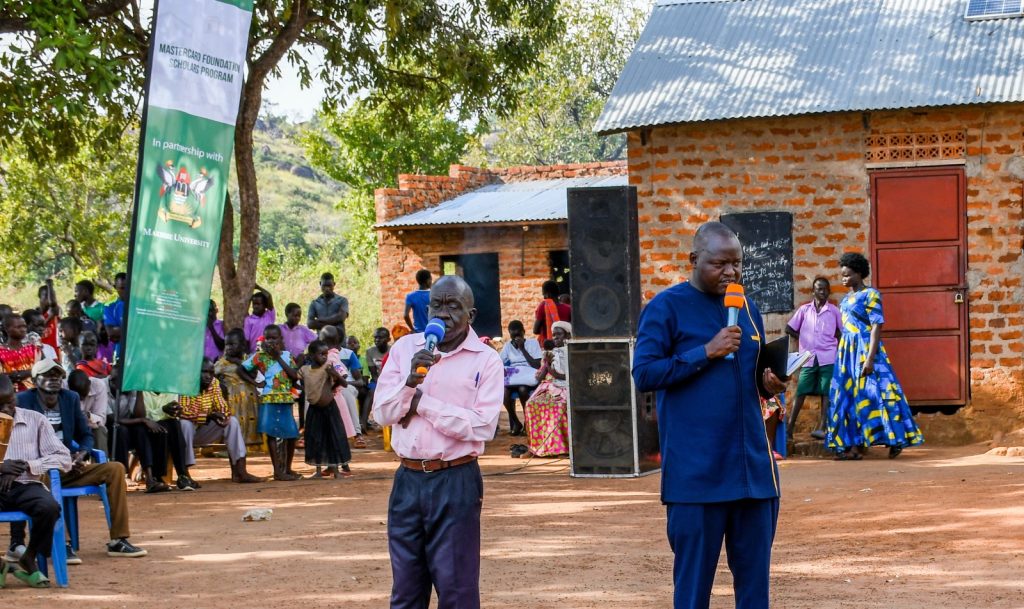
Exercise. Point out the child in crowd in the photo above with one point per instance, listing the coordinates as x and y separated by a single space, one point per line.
18 353
296 338
375 361
326 444
546 356
276 419
262 315
242 394
5 310
74 309
361 389
773 411
70 352
344 360
94 396
91 363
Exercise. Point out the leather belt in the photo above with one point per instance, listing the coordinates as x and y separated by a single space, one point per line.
433 465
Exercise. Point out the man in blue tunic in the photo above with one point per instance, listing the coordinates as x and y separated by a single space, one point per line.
718 478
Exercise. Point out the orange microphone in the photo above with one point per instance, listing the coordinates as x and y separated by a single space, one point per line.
734 301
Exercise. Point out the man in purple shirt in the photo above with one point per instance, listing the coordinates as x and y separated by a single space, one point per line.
262 315
817 326
440 421
213 347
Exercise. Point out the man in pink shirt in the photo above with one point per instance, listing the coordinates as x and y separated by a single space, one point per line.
817 326
440 421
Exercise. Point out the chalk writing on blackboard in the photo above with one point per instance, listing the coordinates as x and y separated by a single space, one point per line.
767 239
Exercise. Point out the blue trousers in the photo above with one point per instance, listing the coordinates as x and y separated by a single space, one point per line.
434 537
695 533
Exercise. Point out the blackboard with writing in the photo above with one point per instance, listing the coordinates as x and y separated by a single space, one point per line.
767 239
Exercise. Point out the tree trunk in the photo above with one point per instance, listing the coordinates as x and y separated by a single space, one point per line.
239 278
226 267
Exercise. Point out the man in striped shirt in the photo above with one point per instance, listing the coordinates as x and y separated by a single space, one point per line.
207 419
32 450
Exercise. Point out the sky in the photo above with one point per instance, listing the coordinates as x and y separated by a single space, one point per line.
284 92
288 98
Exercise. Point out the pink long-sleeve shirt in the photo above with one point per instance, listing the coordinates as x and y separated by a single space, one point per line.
459 408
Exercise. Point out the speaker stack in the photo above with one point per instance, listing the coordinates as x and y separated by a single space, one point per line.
613 429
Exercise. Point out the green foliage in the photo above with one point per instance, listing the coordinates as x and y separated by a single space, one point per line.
563 96
69 60
70 73
294 276
70 217
367 146
65 63
281 229
360 236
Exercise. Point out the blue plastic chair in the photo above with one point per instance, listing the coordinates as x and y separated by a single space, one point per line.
59 551
69 497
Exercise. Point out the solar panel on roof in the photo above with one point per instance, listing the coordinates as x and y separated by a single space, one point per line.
991 9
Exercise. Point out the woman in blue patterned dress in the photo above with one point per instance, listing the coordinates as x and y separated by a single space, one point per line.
867 405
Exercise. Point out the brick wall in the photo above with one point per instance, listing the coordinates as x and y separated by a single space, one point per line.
814 167
523 256
522 261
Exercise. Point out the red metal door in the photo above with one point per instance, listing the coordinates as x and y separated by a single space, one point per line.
918 261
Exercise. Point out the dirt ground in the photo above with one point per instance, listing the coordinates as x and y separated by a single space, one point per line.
937 528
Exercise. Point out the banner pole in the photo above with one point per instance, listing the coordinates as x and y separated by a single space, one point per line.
194 77
119 364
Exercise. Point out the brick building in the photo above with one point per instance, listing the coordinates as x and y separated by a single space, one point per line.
894 128
503 230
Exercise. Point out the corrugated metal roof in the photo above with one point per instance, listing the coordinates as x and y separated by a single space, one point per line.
700 60
532 201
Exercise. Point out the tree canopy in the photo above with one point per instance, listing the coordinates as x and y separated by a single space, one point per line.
67 216
364 148
70 63
562 96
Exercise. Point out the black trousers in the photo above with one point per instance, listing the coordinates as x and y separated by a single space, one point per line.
434 537
152 447
35 500
176 445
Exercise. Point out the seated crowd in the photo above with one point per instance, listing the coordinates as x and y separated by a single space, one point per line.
59 382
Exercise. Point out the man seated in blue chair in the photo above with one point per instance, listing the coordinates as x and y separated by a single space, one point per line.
32 450
62 409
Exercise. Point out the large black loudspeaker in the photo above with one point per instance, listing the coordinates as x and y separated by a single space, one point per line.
604 258
613 429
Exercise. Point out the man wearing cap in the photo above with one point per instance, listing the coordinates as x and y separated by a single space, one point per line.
32 450
440 421
64 413
718 480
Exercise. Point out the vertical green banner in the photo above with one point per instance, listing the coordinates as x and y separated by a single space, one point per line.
185 151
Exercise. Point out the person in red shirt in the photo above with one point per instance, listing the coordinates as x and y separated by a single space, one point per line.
549 311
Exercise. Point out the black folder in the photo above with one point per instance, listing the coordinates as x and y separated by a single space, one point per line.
775 355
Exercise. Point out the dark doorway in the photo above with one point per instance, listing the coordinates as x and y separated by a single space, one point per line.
481 273
558 261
